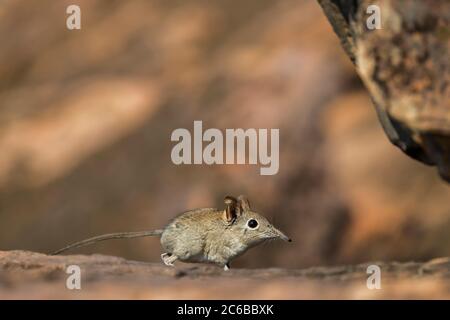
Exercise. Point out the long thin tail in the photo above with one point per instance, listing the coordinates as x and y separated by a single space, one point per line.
119 235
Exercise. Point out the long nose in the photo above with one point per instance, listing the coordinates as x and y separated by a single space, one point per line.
281 235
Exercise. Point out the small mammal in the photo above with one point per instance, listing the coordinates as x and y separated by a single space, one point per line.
206 234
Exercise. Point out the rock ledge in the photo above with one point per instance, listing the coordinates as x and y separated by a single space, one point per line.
30 275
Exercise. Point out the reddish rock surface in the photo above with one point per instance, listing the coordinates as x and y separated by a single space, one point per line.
28 275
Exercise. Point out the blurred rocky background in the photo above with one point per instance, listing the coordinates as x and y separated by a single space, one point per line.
86 118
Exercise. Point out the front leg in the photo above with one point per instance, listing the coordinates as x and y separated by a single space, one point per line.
226 267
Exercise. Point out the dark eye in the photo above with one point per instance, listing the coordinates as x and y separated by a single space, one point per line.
252 223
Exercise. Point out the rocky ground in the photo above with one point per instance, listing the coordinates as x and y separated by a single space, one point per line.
30 275
86 118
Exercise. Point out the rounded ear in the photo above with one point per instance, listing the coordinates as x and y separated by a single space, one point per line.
230 212
244 203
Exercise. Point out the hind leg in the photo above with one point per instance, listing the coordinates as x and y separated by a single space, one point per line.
168 259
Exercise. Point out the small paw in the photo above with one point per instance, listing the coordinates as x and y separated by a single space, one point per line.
168 259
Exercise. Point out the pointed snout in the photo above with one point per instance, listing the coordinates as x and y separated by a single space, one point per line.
281 235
